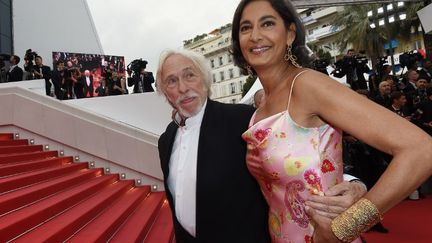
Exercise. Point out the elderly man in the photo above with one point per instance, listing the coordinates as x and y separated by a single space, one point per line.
259 98
383 98
211 193
87 83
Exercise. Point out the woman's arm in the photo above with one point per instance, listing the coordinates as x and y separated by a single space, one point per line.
343 108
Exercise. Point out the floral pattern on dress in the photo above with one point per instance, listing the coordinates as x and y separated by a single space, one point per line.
294 166
327 166
295 203
314 182
275 224
269 179
261 134
308 239
290 164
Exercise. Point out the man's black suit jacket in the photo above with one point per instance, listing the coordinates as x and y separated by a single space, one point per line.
88 89
15 75
229 203
46 74
146 82
79 89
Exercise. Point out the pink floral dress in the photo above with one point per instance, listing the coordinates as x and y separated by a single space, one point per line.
297 162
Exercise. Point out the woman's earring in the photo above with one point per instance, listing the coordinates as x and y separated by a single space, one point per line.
291 57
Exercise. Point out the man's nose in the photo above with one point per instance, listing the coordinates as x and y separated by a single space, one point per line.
182 86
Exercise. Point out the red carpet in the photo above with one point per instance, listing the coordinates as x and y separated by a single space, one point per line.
409 222
47 198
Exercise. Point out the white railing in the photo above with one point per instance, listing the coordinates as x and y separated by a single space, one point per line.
322 12
119 132
323 32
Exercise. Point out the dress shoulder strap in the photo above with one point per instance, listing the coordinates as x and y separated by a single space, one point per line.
292 87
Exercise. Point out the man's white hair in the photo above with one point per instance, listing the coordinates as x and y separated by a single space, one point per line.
198 61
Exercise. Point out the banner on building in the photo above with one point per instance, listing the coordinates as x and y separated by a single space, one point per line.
98 65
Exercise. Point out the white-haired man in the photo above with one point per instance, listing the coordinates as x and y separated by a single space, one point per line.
212 195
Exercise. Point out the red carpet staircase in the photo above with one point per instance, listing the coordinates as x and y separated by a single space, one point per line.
46 198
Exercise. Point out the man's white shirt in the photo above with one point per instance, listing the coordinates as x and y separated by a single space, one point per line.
183 171
12 68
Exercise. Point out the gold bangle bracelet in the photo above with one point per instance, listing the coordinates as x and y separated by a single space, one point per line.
357 219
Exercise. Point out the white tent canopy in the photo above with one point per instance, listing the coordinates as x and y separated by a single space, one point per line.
248 98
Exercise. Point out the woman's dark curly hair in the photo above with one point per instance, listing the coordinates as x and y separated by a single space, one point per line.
289 15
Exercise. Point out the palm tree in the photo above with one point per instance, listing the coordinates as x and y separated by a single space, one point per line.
250 80
356 29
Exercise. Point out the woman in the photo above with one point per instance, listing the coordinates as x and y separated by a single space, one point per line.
294 139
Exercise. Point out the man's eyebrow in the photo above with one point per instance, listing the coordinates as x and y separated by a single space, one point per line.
188 69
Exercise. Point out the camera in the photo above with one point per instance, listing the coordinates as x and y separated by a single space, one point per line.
320 66
408 59
136 65
29 57
348 64
380 63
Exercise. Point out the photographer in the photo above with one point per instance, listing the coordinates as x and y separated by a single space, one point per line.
141 80
320 65
353 66
41 71
15 73
29 57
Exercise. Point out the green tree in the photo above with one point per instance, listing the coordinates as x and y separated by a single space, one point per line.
321 53
250 80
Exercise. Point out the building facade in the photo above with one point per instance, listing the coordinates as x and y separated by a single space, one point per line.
319 29
6 27
227 80
323 35
48 29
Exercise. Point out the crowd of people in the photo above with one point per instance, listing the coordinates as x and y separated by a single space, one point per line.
77 76
409 95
